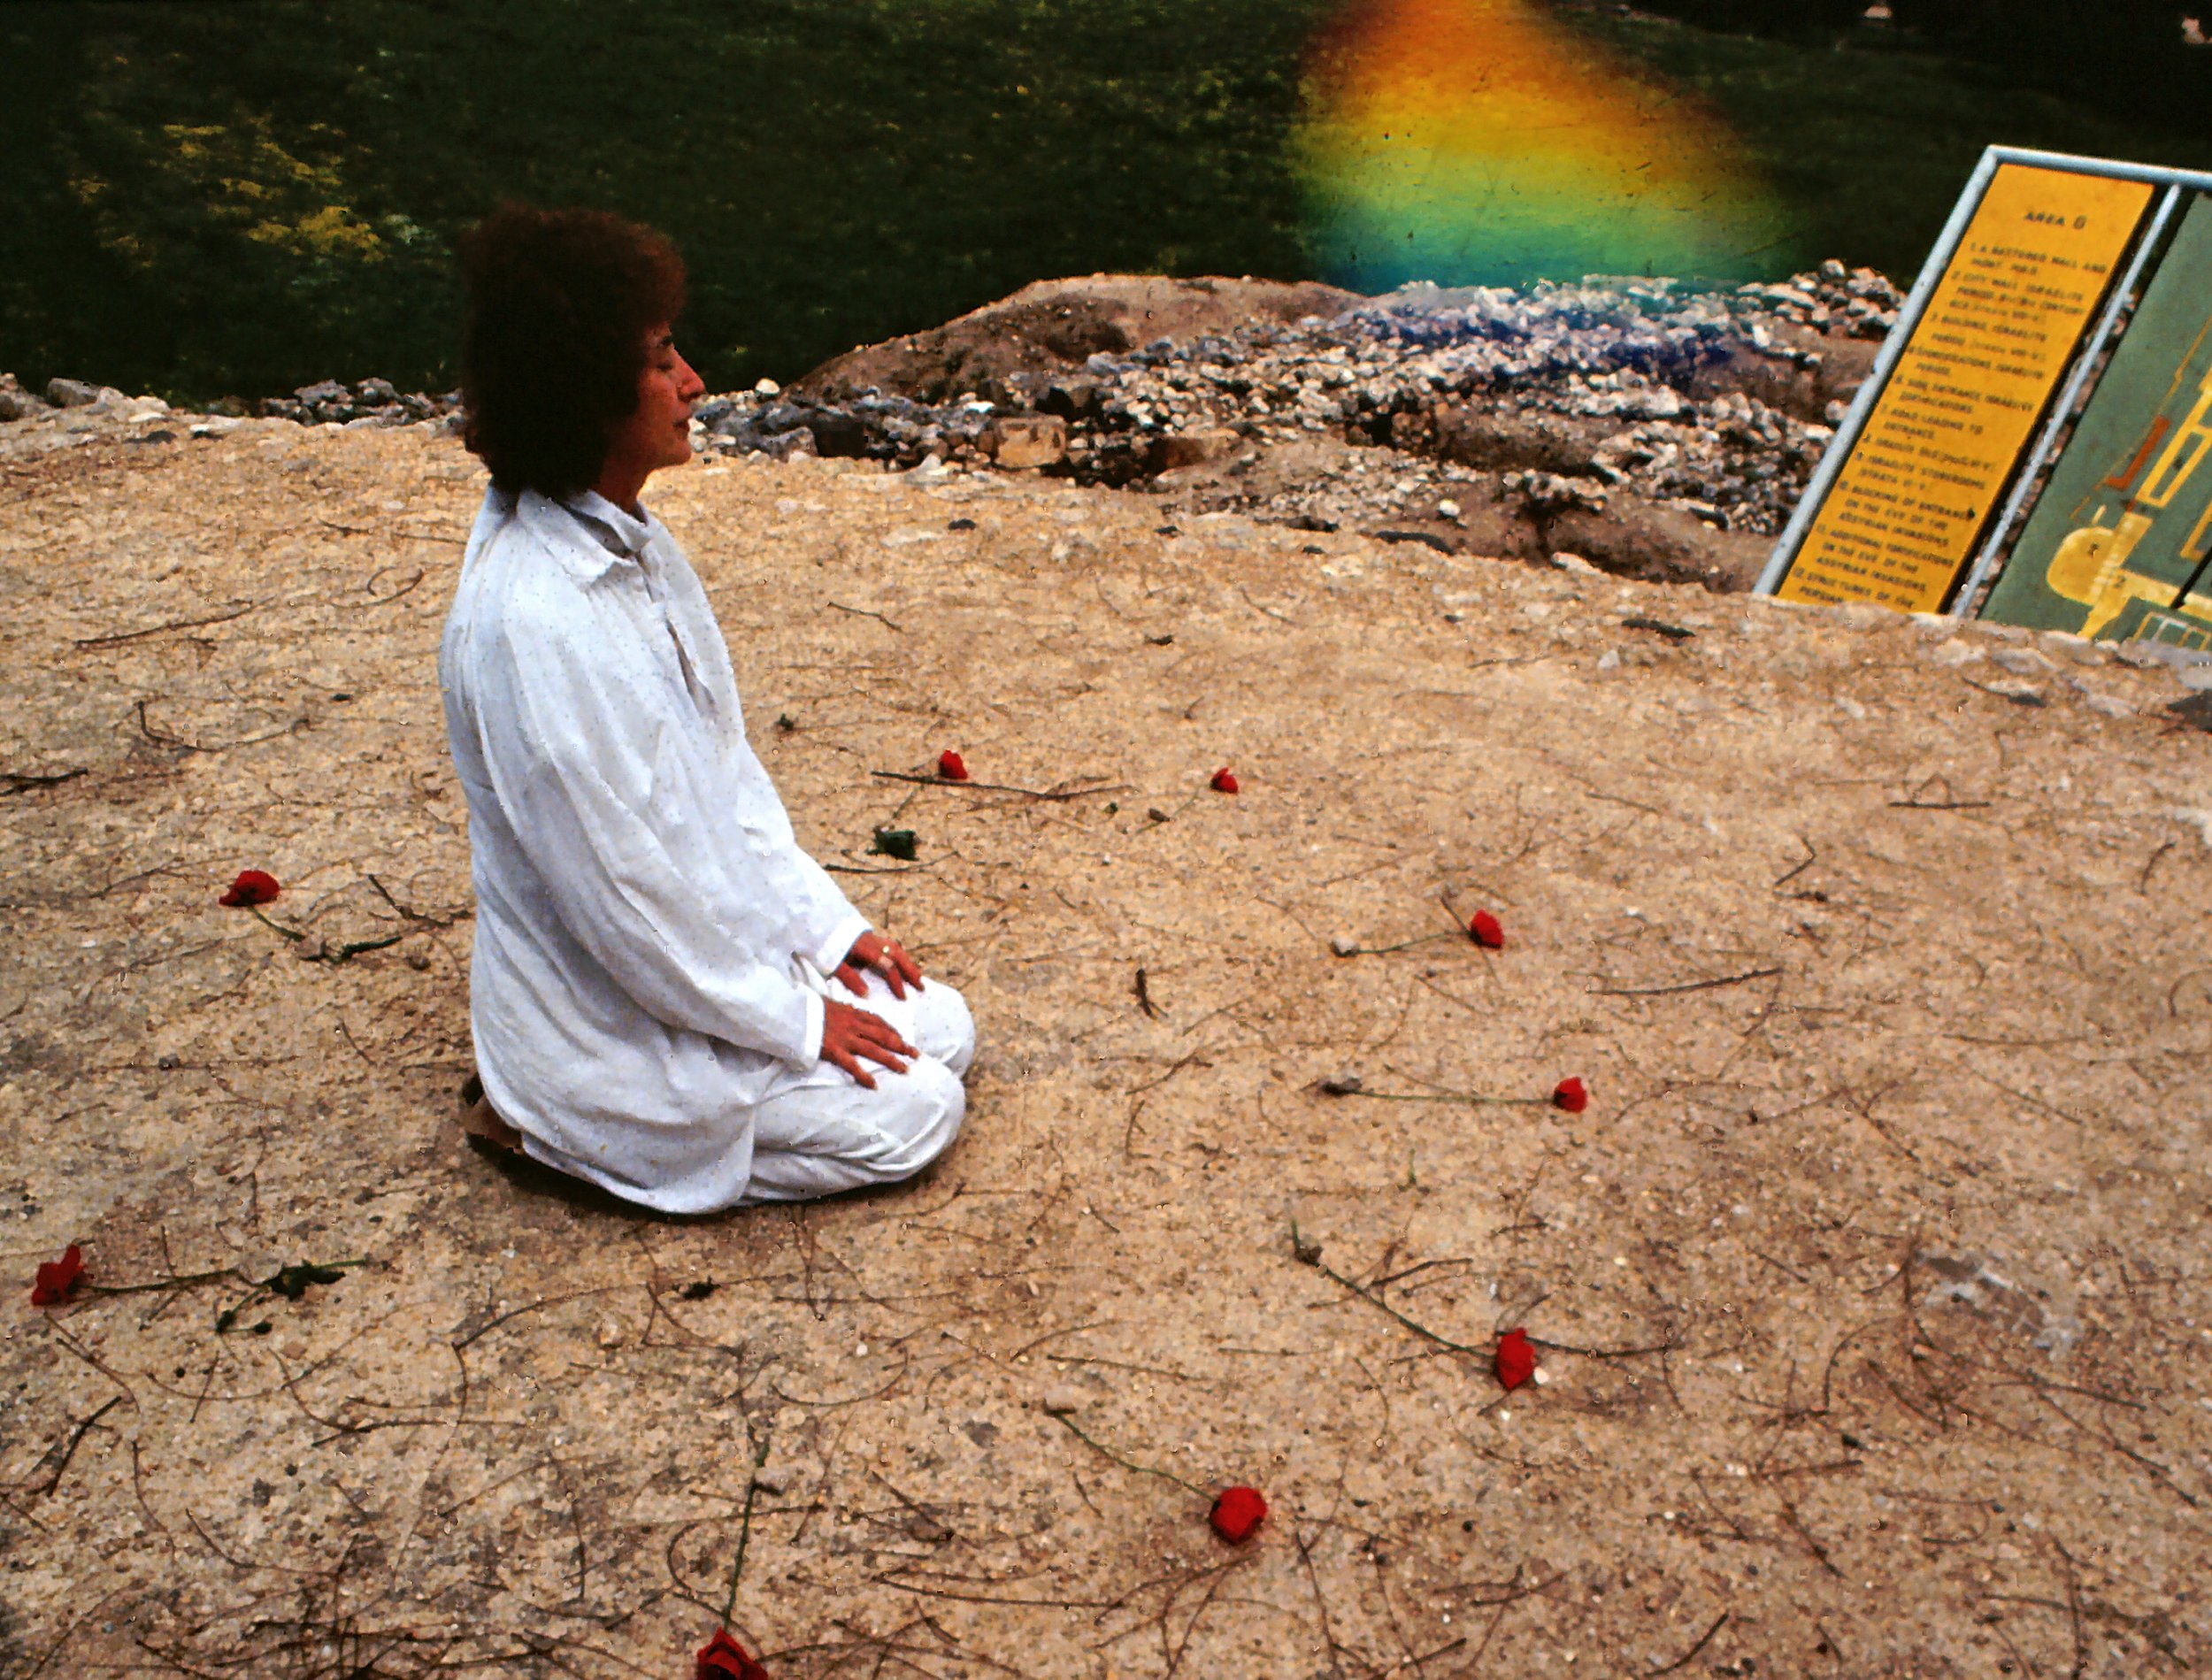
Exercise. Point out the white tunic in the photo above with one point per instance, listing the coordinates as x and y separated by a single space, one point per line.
646 921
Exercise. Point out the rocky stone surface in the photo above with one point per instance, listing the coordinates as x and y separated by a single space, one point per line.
1869 1289
77 410
1651 430
370 401
1661 431
75 393
16 403
1052 327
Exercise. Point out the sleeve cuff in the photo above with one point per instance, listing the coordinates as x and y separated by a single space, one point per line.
810 1042
834 949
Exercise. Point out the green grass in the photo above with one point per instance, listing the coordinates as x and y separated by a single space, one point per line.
1871 142
834 169
239 195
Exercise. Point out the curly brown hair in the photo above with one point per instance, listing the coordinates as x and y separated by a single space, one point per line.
559 304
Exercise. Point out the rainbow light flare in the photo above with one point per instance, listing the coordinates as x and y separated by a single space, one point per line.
1479 143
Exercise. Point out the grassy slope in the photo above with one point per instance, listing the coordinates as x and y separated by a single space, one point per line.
239 197
835 171
1871 140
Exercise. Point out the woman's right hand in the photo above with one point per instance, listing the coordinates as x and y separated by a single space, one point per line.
849 1034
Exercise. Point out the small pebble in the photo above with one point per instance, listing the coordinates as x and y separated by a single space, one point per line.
2076 648
1953 655
2021 662
1062 1398
610 1332
772 1479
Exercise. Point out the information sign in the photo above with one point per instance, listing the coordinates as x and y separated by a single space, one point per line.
2119 539
1996 333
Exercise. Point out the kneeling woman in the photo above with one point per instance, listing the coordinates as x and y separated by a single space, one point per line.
669 998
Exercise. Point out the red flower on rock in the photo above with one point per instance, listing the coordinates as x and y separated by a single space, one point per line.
1516 1360
1571 1094
58 1278
951 766
1237 1514
252 887
722 1658
1487 931
1223 782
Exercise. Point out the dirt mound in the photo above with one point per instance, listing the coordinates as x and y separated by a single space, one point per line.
1051 327
1684 423
1867 1294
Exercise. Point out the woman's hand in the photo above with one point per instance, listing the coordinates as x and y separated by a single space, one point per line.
886 958
849 1034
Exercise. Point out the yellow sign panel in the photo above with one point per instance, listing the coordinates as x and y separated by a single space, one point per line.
1999 334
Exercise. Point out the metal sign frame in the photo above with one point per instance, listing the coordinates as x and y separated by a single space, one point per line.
2029 466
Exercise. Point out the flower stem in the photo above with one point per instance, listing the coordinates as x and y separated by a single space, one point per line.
1450 1096
292 933
1407 945
745 1524
334 953
182 1280
1131 1464
1373 1300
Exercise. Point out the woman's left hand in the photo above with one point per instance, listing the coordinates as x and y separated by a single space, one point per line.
886 958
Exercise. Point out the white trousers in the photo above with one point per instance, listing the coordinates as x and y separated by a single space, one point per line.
817 1133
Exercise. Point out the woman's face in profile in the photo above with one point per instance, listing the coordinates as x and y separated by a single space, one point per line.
657 433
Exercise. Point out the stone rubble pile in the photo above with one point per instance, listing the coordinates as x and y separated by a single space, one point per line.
1626 364
370 401
94 401
1656 429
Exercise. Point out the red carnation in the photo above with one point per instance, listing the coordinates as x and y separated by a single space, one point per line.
1237 1514
1224 781
1571 1094
1487 931
1516 1361
951 766
722 1658
252 887
58 1278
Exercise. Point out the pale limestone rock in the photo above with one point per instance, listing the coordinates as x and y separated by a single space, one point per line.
1016 441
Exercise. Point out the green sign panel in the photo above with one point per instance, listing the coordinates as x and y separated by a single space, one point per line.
2117 546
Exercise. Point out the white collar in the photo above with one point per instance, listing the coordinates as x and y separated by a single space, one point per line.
623 534
616 536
